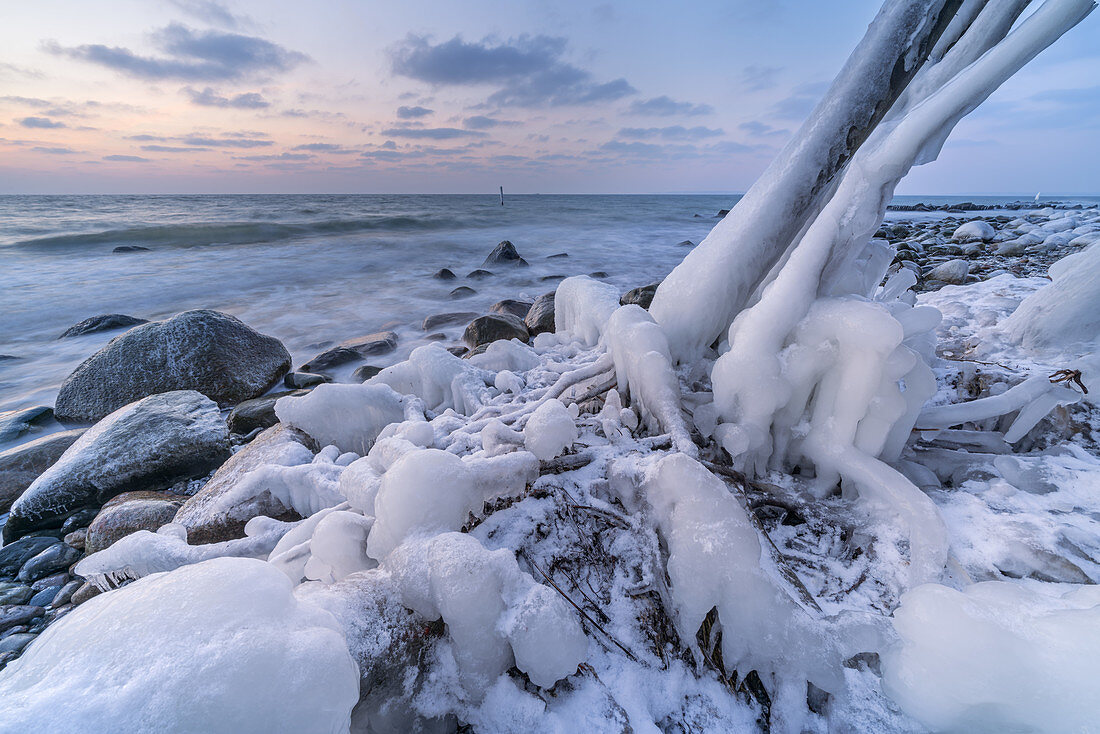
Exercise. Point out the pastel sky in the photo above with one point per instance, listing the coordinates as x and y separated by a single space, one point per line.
134 96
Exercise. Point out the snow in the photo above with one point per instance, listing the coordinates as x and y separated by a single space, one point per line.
997 656
347 416
974 230
549 431
582 307
440 379
139 659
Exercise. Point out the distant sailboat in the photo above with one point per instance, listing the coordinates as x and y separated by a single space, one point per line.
1036 195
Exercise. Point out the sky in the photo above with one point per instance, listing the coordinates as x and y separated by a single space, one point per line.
330 96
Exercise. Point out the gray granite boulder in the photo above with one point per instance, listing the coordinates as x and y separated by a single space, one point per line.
21 465
493 327
352 350
540 317
518 309
642 295
148 444
207 351
128 513
257 412
504 254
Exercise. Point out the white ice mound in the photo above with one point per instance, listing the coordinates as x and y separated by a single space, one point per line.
549 431
347 416
440 379
582 307
715 561
495 613
1065 313
431 491
975 230
221 646
997 657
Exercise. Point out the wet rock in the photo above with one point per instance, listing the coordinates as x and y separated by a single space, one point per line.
462 292
597 274
642 295
351 350
479 274
301 380
458 351
447 319
685 243
83 594
77 538
722 213
45 597
130 248
952 272
66 594
21 465
16 643
15 423
14 593
78 520
258 412
18 614
558 255
103 322
444 274
504 254
518 309
548 278
365 372
540 317
119 520
492 327
207 351
216 513
55 558
56 579
14 555
148 444
438 336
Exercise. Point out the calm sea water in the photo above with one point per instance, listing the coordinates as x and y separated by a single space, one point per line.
308 269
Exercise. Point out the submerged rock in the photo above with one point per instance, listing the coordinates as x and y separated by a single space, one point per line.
365 372
504 254
351 350
642 295
479 274
462 292
15 423
490 328
540 317
518 309
118 518
103 322
301 380
148 444
257 412
447 319
21 465
207 351
444 274
130 248
216 513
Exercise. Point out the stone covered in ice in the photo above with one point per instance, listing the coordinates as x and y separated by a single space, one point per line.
975 230
952 271
239 654
549 431
347 416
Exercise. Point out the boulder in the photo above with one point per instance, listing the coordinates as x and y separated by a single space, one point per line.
518 309
351 350
365 372
148 444
953 272
21 465
216 514
447 319
301 380
14 555
975 230
103 322
15 423
479 274
540 317
57 557
642 295
206 351
444 274
257 412
504 254
119 519
492 327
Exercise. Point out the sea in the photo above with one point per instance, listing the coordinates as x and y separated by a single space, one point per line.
313 270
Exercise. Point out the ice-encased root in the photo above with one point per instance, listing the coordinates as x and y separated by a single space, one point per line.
700 298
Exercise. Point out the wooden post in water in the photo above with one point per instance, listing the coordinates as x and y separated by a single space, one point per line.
502 196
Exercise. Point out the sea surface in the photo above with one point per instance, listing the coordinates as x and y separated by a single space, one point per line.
313 269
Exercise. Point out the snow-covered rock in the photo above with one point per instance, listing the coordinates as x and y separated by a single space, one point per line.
147 444
347 416
952 271
975 230
221 646
549 431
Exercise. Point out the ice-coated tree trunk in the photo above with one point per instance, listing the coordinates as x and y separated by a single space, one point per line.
752 238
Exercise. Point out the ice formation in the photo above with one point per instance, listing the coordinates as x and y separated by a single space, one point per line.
220 646
440 379
347 416
549 431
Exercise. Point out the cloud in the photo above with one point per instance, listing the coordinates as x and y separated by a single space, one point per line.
144 137
413 113
430 133
665 106
528 71
172 149
755 78
278 157
323 148
209 98
53 151
213 13
13 70
672 132
125 158
481 122
40 122
190 55
761 129
798 105
202 142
